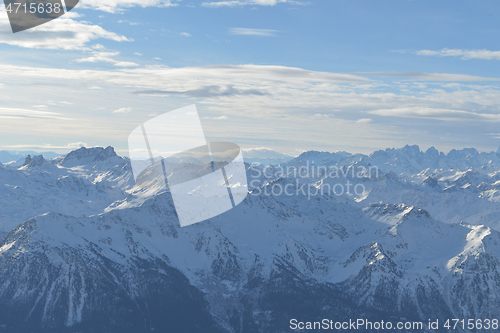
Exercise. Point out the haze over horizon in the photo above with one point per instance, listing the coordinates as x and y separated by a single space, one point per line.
249 154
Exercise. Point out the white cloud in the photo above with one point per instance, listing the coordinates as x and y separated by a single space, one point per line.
435 113
123 110
48 146
252 32
130 23
15 113
98 56
185 34
462 54
62 33
76 145
266 105
237 3
420 76
217 118
322 115
51 102
117 6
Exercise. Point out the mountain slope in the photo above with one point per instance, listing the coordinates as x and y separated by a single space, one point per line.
120 260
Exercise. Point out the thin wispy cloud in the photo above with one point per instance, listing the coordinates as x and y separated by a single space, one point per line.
421 76
123 110
217 118
364 121
252 32
239 3
206 91
47 146
129 22
98 56
15 113
435 113
462 54
114 6
263 103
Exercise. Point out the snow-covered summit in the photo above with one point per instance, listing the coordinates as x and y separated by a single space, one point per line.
85 155
36 161
80 240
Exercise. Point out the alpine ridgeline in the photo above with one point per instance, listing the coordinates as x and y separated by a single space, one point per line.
400 235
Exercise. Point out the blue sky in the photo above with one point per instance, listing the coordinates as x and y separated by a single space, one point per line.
287 75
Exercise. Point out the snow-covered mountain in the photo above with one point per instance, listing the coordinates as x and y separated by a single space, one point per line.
415 236
265 156
9 156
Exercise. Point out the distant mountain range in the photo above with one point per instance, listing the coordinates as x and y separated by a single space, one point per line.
414 236
265 156
7 156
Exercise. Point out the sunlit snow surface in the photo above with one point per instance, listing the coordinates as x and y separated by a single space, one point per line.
427 223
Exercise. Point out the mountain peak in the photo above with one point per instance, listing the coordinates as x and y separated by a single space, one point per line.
463 153
413 150
432 151
33 161
108 152
27 160
95 154
310 154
